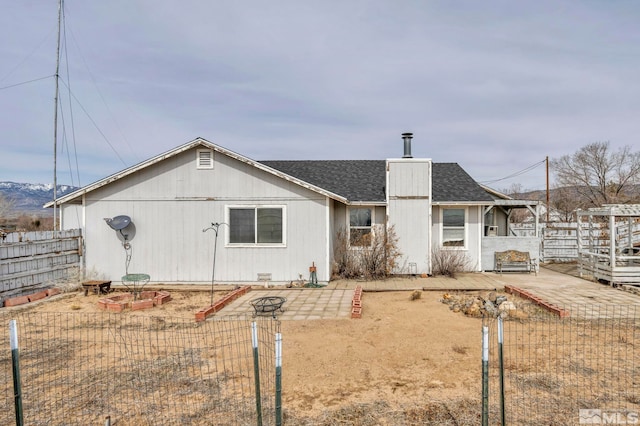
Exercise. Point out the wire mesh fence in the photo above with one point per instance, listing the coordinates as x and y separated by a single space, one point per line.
82 369
565 371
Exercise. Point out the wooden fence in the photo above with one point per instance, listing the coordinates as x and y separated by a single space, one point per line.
30 261
560 239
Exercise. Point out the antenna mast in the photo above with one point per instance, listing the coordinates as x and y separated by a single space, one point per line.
55 123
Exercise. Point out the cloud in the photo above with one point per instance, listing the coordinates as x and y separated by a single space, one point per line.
493 85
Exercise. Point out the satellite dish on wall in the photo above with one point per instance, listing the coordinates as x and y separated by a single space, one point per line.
119 222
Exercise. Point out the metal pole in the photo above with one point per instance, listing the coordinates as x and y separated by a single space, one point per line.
55 123
213 272
256 370
485 375
15 358
501 361
278 379
215 227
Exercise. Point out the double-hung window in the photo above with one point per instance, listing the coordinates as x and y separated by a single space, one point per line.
360 231
453 227
256 225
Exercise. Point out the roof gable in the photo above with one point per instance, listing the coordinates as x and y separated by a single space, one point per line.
198 142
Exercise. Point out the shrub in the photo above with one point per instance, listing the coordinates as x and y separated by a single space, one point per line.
371 256
448 262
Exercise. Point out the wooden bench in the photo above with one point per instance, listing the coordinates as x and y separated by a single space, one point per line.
515 261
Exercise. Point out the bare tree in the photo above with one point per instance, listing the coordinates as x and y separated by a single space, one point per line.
598 174
6 206
564 202
518 215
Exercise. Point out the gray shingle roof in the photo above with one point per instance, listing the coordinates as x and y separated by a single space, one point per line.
356 180
364 180
452 183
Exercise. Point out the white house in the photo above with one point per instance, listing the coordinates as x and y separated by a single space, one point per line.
278 217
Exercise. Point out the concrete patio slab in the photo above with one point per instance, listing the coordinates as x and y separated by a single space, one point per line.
581 297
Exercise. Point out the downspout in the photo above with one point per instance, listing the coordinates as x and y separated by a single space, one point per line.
327 265
430 220
481 233
83 231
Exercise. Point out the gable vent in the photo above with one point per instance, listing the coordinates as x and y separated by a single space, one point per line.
205 159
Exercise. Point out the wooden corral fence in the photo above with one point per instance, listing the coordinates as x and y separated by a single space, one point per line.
30 261
610 251
559 242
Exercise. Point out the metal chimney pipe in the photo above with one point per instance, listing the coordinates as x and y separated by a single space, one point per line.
407 144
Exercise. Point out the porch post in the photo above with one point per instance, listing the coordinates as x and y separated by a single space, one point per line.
612 241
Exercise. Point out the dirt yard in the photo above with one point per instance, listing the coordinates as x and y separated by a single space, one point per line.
402 353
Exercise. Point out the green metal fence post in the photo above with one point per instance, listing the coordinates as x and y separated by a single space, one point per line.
501 361
485 375
15 361
256 370
278 379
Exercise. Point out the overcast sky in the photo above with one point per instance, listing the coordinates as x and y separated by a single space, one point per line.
495 86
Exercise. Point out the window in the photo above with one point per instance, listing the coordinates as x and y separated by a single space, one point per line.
453 227
360 234
256 225
205 159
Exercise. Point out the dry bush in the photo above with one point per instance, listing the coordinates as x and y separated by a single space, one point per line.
448 262
459 349
34 223
372 257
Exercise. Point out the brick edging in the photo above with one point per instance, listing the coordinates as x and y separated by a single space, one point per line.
562 313
21 300
356 302
203 313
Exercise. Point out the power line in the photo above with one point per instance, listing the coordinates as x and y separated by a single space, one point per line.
26 82
95 84
73 127
19 64
523 171
94 123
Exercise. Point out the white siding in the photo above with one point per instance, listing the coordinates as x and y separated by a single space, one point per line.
71 216
171 202
474 229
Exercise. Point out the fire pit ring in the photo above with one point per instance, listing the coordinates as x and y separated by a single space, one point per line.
268 305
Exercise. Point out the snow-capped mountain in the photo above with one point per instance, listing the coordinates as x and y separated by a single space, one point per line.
29 198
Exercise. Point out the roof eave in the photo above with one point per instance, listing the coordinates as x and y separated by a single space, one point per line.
462 203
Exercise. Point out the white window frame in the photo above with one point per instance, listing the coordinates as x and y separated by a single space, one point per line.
255 207
464 246
204 165
371 227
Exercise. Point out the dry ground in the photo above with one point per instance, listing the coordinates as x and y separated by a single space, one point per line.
411 362
401 353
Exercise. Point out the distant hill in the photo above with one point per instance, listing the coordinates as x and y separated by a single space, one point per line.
541 195
28 198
